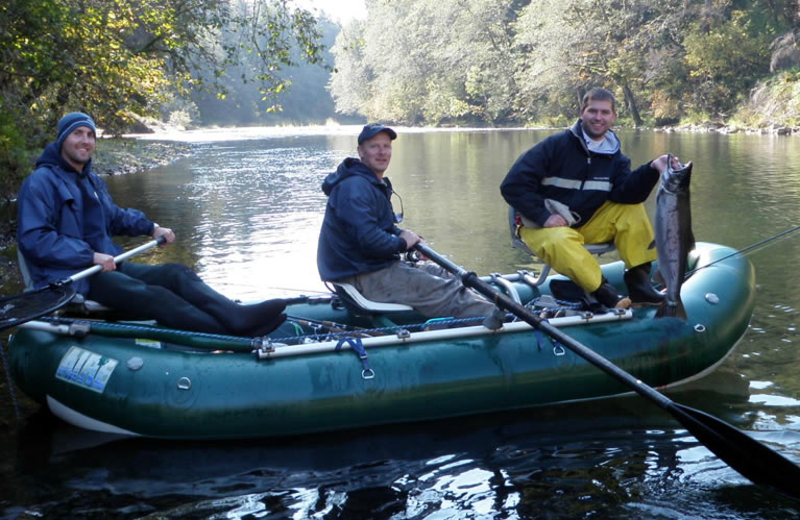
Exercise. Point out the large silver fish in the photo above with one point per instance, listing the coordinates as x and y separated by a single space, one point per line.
673 235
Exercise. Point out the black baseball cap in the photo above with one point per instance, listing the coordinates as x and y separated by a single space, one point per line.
373 129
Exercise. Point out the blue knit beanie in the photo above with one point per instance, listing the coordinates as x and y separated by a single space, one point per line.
70 122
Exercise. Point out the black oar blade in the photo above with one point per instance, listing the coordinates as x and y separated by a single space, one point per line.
16 310
758 463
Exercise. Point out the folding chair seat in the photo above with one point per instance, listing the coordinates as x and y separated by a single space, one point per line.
361 306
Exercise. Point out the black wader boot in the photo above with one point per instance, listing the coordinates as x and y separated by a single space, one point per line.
640 290
608 296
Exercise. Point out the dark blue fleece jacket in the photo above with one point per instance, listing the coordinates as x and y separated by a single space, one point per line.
358 232
64 217
562 168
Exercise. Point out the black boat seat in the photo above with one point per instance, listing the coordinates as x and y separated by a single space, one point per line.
518 243
353 299
78 303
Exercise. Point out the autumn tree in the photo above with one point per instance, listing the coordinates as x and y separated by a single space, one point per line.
112 58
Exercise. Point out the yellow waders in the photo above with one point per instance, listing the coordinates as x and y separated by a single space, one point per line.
562 247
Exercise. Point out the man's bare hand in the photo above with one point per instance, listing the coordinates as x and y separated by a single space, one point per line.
661 163
555 221
167 233
410 237
105 261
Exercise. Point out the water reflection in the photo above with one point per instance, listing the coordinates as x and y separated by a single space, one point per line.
562 462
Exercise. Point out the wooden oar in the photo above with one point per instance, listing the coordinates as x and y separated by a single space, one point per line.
749 457
20 308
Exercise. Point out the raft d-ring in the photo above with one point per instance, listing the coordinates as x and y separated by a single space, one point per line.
558 350
368 373
184 383
699 328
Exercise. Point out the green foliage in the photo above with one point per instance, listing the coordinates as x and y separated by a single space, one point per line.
724 62
774 102
14 157
428 61
299 98
509 62
111 58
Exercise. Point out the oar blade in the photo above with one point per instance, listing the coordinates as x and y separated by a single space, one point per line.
20 308
758 463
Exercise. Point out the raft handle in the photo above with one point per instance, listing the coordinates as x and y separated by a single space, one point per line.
506 285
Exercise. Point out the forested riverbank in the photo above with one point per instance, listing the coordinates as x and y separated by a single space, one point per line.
717 65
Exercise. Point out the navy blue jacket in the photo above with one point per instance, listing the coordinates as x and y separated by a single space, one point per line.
562 168
358 232
64 217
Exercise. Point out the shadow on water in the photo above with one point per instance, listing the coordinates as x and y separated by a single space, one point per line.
620 458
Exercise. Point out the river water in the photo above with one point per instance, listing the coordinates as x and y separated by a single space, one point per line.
246 207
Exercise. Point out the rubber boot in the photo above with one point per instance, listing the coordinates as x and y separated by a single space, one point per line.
238 319
608 296
640 290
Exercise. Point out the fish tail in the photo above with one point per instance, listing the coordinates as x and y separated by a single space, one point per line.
671 309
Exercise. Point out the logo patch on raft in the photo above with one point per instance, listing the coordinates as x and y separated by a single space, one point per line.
86 369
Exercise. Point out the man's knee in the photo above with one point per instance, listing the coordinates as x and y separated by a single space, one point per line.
633 212
549 240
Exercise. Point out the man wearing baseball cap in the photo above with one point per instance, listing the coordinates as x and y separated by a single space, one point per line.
360 242
65 221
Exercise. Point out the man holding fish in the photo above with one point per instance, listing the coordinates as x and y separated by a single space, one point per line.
575 188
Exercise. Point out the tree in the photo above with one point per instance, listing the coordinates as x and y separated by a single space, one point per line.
725 60
428 61
114 57
583 43
302 100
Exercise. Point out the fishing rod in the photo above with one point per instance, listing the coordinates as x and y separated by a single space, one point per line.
744 250
333 327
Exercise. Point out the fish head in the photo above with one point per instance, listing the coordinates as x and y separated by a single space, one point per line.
676 180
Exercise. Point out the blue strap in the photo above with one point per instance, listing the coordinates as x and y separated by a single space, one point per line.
558 348
358 348
539 338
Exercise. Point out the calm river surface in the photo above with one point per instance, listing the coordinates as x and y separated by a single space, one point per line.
247 207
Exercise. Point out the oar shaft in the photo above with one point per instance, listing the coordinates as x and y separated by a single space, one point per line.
117 259
470 279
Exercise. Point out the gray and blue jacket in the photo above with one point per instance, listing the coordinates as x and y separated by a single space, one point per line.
562 168
64 217
358 232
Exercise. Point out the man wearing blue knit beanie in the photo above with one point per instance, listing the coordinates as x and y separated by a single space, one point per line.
65 221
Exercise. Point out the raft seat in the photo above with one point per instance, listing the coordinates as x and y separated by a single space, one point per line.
518 243
78 303
360 305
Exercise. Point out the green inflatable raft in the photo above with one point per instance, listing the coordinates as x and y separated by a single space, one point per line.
332 366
